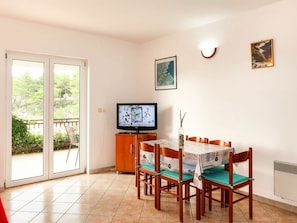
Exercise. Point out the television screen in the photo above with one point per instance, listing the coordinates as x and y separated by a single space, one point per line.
137 116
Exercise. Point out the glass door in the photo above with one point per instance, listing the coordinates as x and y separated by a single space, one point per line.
27 110
66 117
44 95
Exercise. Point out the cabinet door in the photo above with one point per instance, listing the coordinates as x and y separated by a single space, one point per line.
125 153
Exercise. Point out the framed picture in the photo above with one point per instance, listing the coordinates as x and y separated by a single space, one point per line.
165 73
262 54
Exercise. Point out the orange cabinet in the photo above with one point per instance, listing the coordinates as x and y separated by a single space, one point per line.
126 145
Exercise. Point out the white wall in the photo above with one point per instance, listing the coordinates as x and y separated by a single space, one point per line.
112 68
224 98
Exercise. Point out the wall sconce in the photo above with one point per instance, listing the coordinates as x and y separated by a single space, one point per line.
208 52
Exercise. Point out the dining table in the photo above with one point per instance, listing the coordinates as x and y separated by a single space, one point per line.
198 157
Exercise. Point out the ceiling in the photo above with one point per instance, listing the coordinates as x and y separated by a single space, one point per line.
132 20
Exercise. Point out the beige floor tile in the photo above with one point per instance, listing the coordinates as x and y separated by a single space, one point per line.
27 196
36 206
57 207
104 210
46 218
68 198
112 198
125 219
73 218
81 209
89 198
21 216
48 197
125 210
99 218
13 205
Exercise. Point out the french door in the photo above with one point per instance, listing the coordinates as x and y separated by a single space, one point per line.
45 96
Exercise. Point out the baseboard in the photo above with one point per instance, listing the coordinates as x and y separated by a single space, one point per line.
277 204
102 170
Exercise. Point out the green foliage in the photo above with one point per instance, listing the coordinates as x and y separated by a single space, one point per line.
19 132
24 141
66 96
28 93
61 141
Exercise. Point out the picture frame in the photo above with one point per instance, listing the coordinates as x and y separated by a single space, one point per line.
262 55
165 73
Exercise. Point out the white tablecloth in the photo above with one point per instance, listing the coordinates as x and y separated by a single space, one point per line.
197 157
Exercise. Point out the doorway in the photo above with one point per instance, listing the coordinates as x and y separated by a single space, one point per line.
45 97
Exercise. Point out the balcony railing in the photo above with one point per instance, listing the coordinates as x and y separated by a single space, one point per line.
58 123
36 127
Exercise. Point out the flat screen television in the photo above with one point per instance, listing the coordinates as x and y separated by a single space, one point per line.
137 116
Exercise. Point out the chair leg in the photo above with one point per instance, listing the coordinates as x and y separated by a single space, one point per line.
138 184
180 197
177 193
68 152
151 183
77 156
251 200
230 197
157 192
210 197
187 192
203 199
145 184
224 198
198 208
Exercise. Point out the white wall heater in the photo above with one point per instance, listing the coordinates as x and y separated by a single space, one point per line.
285 180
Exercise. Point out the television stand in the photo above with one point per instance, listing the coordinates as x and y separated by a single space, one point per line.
137 132
126 145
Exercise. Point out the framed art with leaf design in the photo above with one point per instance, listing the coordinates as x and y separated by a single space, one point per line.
262 54
165 73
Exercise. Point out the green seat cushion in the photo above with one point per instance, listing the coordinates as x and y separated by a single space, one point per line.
222 177
148 166
175 175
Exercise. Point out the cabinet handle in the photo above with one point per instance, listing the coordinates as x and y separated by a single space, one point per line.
131 148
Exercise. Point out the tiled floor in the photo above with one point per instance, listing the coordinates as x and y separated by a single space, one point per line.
111 197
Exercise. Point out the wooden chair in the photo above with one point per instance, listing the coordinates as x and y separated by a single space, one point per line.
208 188
73 142
231 182
145 169
174 177
197 139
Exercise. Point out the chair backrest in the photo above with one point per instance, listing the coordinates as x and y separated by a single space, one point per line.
220 142
197 139
146 147
170 153
239 158
145 152
71 134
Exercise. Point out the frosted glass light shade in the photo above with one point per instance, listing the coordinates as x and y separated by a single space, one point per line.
208 52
